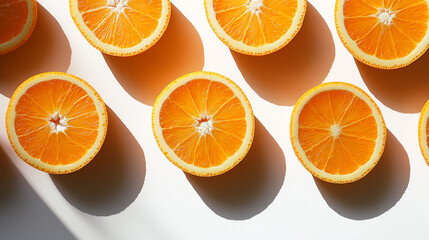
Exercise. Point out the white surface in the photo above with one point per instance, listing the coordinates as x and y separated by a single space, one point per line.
131 191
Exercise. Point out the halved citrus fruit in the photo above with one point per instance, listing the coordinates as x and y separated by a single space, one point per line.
203 123
121 27
17 21
255 27
424 132
56 122
383 33
337 132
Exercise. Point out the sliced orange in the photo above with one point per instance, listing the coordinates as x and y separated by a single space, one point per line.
56 122
17 21
255 27
121 27
424 132
384 33
203 123
337 132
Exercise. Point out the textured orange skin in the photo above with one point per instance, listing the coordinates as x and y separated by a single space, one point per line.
99 48
295 113
165 152
28 34
18 151
301 20
369 63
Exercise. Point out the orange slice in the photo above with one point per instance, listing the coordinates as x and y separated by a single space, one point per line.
56 122
424 132
121 27
17 21
255 27
203 123
384 33
337 132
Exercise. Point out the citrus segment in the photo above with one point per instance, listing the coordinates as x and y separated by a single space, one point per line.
56 122
255 27
121 27
17 21
337 132
203 123
384 34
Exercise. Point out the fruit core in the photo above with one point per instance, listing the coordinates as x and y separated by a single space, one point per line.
204 125
255 6
335 131
118 5
385 16
57 123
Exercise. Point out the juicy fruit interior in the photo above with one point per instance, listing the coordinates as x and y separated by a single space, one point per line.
337 131
255 22
123 23
13 16
203 122
56 121
386 29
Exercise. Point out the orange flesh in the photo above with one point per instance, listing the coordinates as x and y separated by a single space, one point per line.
195 104
354 145
409 24
272 21
35 110
124 27
13 16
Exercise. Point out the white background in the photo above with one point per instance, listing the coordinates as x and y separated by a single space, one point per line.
131 191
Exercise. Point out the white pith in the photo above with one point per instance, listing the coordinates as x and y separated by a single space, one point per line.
171 155
37 163
204 127
335 131
255 7
57 122
385 16
379 142
118 7
4 47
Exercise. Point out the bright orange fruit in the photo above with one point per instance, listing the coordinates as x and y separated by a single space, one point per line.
17 21
121 27
424 132
56 122
255 27
337 132
384 33
203 123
